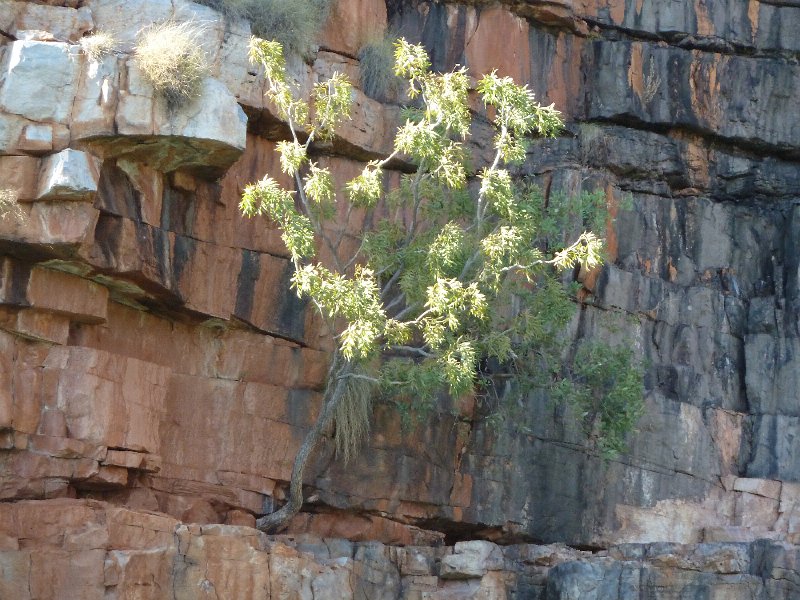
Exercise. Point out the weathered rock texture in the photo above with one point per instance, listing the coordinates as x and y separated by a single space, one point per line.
99 551
156 378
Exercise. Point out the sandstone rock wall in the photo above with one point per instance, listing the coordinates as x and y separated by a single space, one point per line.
153 369
97 551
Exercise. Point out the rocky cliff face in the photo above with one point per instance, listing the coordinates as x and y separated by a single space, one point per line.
156 379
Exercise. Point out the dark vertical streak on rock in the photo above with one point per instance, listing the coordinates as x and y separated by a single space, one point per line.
436 37
17 281
791 267
183 249
116 194
457 39
107 233
291 310
246 283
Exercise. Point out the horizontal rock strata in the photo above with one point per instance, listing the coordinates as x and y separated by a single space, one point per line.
98 551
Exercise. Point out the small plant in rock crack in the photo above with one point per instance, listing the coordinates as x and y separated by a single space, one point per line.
170 56
607 392
651 82
98 45
293 23
10 209
457 275
376 63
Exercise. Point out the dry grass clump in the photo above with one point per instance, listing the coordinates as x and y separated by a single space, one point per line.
652 83
376 60
98 45
10 210
171 57
293 23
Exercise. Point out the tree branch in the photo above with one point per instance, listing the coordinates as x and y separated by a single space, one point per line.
411 350
301 193
481 209
334 394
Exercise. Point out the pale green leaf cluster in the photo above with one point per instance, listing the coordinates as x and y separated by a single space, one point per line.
331 99
517 109
319 185
586 251
292 156
434 134
366 188
496 187
267 197
410 62
356 299
446 251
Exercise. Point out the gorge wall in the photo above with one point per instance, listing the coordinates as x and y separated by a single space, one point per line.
156 379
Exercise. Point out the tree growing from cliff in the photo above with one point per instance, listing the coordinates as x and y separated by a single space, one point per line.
454 283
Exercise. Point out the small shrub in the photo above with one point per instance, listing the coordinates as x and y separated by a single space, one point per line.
10 210
293 23
608 393
377 68
652 83
170 56
98 45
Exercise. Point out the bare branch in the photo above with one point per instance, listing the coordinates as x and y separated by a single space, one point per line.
411 350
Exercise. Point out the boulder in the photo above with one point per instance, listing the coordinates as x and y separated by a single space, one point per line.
205 136
62 22
36 139
39 80
126 18
471 560
68 175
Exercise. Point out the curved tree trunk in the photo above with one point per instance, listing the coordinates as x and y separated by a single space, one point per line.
334 393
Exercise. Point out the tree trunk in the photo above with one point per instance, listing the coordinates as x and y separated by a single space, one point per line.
334 393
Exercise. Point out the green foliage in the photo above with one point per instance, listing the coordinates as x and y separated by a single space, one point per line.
266 197
376 62
608 393
365 189
292 23
564 211
170 57
319 185
462 286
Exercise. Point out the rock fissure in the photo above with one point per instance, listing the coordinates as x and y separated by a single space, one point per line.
755 147
688 41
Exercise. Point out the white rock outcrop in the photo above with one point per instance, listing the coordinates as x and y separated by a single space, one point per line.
68 175
39 80
471 559
209 131
54 97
